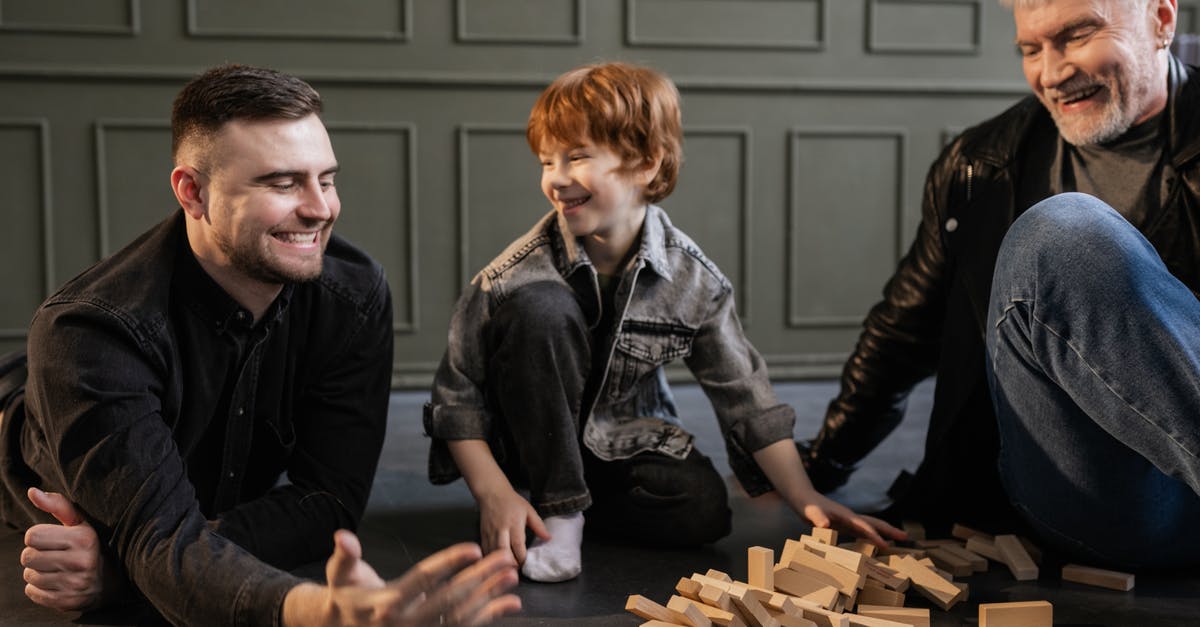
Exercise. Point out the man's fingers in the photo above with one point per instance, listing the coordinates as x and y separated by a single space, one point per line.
56 505
885 528
466 597
429 573
347 551
58 600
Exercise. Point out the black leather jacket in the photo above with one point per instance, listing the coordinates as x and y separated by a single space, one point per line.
932 316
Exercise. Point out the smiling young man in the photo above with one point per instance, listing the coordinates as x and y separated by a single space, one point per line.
205 408
1063 327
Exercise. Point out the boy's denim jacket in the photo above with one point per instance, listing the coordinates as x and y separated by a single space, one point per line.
672 302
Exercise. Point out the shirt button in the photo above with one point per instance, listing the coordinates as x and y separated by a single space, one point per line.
951 225
232 474
241 315
240 411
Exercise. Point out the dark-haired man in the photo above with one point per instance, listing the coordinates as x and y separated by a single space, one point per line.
171 385
1064 328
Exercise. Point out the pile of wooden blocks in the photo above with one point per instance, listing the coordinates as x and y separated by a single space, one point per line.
818 582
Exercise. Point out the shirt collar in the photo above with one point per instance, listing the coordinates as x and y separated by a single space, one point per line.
570 255
197 291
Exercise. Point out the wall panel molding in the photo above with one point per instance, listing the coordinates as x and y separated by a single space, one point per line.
463 32
463 201
713 14
880 16
129 27
317 31
40 126
899 136
410 324
103 127
448 80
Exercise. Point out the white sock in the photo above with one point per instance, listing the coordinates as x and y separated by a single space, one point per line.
559 559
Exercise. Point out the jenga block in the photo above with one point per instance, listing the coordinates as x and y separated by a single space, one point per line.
1032 549
688 588
802 584
789 549
847 580
880 596
787 620
658 623
928 563
986 548
886 575
1112 579
929 544
760 563
649 610
860 546
914 529
964 533
752 610
848 559
823 617
950 562
965 587
1017 559
718 598
858 620
716 574
978 562
938 590
825 535
1018 614
916 617
698 613
902 550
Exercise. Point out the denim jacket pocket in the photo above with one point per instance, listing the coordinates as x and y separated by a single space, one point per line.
642 347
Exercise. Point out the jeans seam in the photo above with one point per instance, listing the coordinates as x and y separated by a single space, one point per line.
1104 381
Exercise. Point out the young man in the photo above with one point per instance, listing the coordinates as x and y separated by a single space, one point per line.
1091 335
171 385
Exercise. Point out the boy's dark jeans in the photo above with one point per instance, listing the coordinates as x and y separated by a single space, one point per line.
539 348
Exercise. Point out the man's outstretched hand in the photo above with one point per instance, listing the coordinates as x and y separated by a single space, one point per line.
64 567
455 586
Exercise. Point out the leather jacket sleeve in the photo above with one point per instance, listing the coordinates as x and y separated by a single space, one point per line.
898 347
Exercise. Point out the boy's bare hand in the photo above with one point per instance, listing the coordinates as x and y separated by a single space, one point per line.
503 517
822 511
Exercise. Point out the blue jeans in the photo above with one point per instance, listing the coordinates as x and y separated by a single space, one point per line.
1094 364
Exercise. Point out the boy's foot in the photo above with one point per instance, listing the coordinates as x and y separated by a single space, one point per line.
559 559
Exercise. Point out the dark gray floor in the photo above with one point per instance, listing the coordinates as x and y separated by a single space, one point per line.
408 519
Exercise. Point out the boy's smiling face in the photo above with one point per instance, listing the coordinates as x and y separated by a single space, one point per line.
591 187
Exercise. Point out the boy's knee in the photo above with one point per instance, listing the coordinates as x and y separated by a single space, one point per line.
543 309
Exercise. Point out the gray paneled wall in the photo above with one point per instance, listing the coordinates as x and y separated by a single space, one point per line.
809 127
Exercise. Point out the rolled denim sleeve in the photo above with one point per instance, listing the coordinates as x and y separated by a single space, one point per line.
734 377
457 409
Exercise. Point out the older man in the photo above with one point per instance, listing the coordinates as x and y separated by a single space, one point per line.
173 386
1068 385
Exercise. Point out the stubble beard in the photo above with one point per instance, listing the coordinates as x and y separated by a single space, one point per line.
257 262
1119 113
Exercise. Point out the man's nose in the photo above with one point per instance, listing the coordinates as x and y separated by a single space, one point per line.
1056 68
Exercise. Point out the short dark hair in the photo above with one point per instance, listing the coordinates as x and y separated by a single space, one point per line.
233 92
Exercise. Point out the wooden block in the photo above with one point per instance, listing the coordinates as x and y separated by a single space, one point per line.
718 598
699 613
965 587
858 620
937 589
752 610
1018 614
887 575
658 623
978 562
803 584
787 620
902 550
1112 579
789 549
649 610
760 563
914 529
716 574
916 617
929 544
847 580
688 588
964 533
950 562
823 617
1032 549
1016 558
825 535
860 546
880 596
986 548
842 557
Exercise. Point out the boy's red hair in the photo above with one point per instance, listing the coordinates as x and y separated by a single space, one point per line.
632 110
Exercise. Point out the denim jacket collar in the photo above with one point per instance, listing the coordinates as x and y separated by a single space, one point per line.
570 254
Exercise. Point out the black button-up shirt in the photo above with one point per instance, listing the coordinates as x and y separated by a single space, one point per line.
157 405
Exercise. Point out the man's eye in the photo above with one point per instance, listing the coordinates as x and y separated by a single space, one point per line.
283 187
1027 51
327 185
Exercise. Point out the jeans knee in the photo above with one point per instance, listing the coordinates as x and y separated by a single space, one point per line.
543 312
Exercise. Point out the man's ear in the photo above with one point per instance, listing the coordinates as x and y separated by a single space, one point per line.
1164 19
187 183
